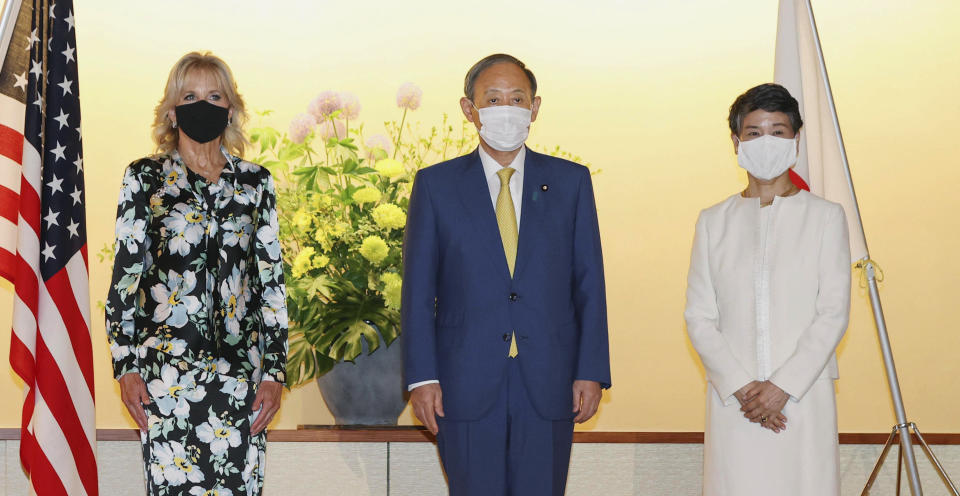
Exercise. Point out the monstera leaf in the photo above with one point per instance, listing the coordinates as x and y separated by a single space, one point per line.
334 331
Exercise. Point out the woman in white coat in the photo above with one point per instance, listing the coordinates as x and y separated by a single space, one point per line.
768 299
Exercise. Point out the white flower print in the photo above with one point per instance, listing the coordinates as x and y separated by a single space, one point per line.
238 231
267 235
167 344
275 306
236 387
216 491
253 469
172 392
218 435
131 186
172 465
130 232
235 295
185 226
175 301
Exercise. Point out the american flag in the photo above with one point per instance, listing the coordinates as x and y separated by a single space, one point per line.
43 248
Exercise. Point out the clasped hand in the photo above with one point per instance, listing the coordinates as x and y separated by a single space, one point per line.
762 402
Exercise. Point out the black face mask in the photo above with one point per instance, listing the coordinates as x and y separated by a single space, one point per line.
202 121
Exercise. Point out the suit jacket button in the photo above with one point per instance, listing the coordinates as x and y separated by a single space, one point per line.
506 337
514 297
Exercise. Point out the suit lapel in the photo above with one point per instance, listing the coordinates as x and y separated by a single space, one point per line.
475 195
531 209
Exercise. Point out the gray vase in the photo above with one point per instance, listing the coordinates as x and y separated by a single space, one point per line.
369 391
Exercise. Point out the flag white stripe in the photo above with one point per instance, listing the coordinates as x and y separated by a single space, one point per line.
54 445
25 326
12 113
80 283
57 340
9 174
32 171
8 235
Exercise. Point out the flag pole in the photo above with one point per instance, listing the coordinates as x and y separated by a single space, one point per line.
902 427
10 10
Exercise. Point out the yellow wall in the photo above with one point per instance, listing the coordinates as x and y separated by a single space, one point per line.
639 89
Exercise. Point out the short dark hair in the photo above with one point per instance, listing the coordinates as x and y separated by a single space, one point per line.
491 60
770 97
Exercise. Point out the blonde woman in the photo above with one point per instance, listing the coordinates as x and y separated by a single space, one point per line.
768 299
196 312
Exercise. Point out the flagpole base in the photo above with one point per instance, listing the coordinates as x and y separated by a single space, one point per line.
904 429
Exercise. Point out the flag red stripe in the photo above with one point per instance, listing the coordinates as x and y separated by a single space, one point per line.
42 475
7 263
21 361
8 204
30 206
65 300
58 399
11 144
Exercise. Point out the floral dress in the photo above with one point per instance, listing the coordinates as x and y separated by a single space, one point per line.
197 307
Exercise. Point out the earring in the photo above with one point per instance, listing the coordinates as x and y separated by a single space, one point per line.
174 124
230 121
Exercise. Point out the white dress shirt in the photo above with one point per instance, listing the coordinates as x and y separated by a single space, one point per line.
490 169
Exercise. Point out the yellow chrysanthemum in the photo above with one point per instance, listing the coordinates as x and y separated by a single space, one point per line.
389 167
374 249
337 230
303 262
301 219
392 285
366 195
389 216
321 261
322 237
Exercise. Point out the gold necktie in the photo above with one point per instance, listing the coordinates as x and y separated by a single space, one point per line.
507 221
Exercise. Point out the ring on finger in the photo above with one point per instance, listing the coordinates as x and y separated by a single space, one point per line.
763 419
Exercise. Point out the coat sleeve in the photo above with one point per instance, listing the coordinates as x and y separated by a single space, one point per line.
419 293
130 254
589 297
818 342
702 315
273 308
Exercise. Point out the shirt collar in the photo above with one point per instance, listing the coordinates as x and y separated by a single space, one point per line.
491 166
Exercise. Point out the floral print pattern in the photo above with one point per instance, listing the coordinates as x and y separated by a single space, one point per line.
197 307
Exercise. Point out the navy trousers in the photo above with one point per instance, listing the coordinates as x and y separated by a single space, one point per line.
511 451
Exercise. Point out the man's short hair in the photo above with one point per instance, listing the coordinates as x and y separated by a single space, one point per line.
491 60
770 97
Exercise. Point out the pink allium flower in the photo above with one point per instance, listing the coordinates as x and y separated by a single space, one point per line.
326 129
325 104
378 141
349 105
408 96
300 127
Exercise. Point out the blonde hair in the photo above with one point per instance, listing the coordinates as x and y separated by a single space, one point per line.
166 136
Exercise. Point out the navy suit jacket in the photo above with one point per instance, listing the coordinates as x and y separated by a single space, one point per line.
460 303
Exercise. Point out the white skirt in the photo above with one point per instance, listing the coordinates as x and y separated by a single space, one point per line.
743 459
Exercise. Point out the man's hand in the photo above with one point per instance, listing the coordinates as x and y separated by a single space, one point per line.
133 392
427 401
765 402
586 399
267 402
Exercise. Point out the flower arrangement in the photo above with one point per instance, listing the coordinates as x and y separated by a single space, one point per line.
342 200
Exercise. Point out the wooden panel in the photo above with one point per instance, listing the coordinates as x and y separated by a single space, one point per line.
411 434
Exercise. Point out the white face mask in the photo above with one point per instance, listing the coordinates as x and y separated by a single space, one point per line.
504 127
768 156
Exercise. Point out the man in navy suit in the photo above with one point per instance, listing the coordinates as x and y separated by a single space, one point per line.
504 307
